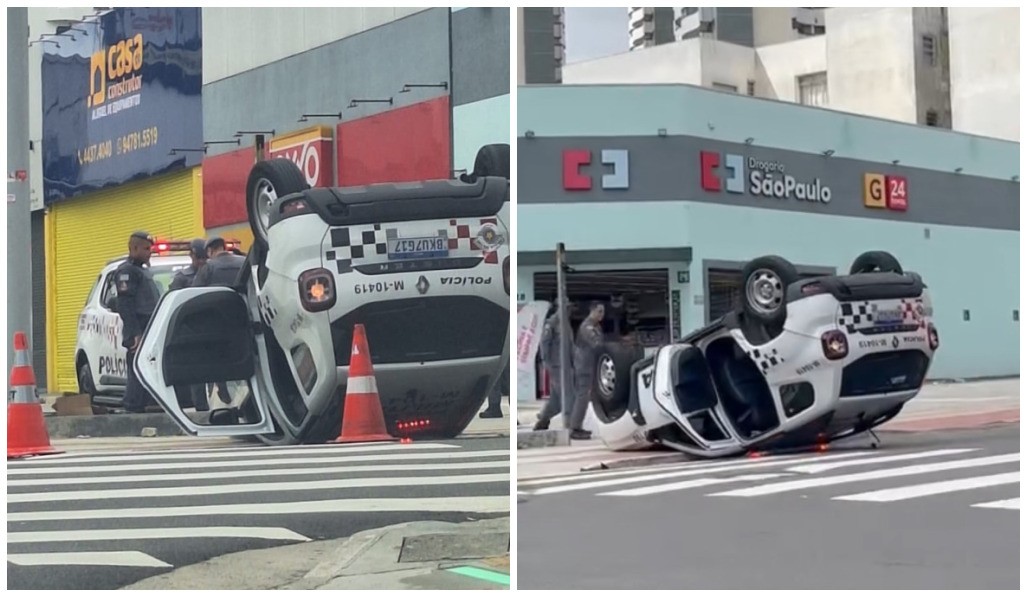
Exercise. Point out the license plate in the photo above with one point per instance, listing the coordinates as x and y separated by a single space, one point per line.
888 316
427 247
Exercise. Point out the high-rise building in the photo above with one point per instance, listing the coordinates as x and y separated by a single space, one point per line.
540 45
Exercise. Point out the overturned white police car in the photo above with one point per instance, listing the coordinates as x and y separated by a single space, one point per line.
802 362
423 266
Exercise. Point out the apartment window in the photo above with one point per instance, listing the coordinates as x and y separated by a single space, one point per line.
928 46
750 87
931 118
725 87
813 89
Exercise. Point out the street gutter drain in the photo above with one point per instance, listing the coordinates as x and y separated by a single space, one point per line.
454 546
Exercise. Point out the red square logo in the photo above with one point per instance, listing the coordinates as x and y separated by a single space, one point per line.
896 192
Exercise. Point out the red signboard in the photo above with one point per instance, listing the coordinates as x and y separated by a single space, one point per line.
311 151
401 145
224 187
896 192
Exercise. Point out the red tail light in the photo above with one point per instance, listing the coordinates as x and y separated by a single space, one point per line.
317 290
294 206
835 345
506 275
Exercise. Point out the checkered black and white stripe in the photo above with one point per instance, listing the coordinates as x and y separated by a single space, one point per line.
766 359
855 314
356 243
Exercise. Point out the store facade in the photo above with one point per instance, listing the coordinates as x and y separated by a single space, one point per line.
122 142
662 193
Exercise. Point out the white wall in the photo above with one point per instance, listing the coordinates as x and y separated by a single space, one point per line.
779 66
667 63
239 46
985 71
42 20
727 63
870 62
773 26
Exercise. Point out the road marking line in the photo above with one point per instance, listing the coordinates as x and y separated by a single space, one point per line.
196 490
819 468
747 465
918 469
233 453
136 559
237 465
220 475
277 533
485 503
638 491
1013 504
560 478
895 494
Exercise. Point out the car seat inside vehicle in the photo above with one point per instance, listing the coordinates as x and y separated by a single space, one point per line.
691 381
744 391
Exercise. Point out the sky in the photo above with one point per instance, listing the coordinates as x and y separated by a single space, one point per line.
595 32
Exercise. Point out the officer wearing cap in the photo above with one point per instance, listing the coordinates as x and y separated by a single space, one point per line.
198 254
222 267
137 299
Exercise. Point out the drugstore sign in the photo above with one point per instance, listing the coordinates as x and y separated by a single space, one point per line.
121 100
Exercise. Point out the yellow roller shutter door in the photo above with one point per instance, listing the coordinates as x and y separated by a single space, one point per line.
91 230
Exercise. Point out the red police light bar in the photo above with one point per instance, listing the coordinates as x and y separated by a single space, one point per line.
182 246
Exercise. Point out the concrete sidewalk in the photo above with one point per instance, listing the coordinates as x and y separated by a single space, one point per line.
948 405
417 555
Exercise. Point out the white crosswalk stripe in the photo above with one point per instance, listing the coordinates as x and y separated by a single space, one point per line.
911 475
133 510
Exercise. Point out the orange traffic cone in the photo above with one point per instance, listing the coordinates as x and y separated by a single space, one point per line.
26 430
363 420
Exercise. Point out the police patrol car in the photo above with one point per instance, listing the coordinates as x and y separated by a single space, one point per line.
803 361
424 266
99 356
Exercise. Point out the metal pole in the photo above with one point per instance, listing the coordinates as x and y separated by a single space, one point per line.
565 336
19 214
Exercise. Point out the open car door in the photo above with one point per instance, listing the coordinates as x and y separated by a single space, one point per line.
200 341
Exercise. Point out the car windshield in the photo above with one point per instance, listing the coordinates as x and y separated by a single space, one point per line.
164 274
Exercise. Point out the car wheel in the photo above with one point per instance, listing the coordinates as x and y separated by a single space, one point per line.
493 160
611 389
269 180
85 380
764 283
875 261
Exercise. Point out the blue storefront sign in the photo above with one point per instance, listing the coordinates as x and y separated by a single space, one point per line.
118 98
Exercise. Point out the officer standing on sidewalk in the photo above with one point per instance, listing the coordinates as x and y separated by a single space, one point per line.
549 348
137 299
586 350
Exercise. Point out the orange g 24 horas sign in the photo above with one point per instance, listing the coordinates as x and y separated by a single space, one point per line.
880 191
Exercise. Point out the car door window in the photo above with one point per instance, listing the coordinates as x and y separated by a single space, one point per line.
110 293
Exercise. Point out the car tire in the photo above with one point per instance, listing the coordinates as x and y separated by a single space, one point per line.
492 160
765 282
85 380
611 384
875 261
269 180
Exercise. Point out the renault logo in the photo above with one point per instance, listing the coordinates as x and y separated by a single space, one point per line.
422 285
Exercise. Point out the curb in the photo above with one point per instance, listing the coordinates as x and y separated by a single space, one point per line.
542 439
122 425
637 461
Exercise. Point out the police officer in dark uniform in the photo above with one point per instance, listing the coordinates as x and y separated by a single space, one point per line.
184 277
137 299
222 267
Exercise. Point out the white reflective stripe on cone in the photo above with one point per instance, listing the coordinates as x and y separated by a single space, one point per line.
361 385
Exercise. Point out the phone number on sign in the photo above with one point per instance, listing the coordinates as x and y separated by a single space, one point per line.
124 144
378 287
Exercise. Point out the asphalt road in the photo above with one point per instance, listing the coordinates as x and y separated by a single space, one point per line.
908 515
106 520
